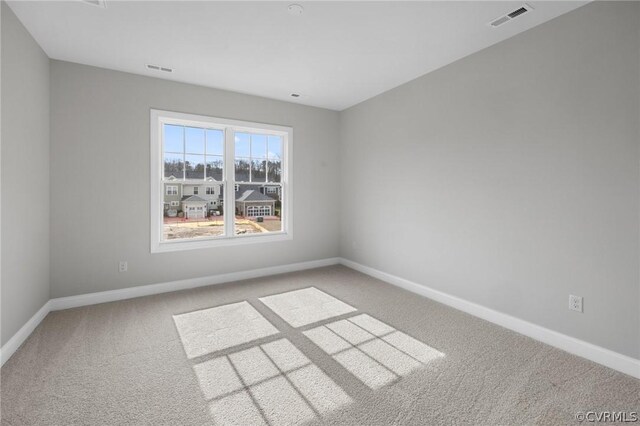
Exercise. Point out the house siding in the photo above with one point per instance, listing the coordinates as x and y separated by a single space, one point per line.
168 198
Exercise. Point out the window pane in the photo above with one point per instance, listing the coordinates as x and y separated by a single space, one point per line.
242 169
257 209
195 155
194 166
214 167
173 138
275 171
243 145
188 217
258 170
194 140
275 148
173 166
215 142
258 146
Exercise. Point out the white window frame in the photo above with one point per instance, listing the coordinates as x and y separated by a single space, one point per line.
157 119
173 188
174 204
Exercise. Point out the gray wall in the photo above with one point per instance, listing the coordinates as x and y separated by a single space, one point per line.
511 177
100 159
25 176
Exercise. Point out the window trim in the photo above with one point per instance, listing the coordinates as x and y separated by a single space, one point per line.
160 117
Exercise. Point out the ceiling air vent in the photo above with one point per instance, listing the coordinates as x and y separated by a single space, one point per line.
159 68
517 12
511 15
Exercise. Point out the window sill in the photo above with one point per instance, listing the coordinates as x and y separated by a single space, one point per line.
206 243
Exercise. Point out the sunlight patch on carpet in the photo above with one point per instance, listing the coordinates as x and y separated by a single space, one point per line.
273 383
210 330
374 352
306 306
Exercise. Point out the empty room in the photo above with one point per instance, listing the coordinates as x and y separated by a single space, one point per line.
319 213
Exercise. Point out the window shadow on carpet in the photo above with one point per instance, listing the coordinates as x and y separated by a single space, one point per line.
374 352
250 375
210 330
273 383
306 306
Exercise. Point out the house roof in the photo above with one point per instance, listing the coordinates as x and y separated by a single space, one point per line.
172 180
194 198
251 195
244 177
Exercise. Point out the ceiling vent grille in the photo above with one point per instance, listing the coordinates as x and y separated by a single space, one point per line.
517 12
510 16
159 68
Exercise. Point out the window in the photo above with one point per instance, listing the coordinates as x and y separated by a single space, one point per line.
175 204
231 159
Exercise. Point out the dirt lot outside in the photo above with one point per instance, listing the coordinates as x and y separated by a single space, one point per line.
177 229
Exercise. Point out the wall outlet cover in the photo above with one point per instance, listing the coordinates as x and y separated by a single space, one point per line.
575 303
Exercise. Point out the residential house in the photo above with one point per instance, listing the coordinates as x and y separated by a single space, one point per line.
200 200
196 200
255 200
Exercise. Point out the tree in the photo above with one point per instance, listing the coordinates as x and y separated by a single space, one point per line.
173 168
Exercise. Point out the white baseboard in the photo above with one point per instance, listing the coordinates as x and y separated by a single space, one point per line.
146 290
25 331
606 357
128 293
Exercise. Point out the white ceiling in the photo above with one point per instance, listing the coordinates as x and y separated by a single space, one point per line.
336 54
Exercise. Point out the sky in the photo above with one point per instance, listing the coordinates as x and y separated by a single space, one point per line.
197 140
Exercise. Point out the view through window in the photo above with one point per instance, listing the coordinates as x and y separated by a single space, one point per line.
258 170
219 181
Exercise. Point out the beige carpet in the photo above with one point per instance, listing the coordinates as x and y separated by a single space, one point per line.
347 349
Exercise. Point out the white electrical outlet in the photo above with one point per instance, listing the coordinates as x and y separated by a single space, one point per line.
122 266
575 303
